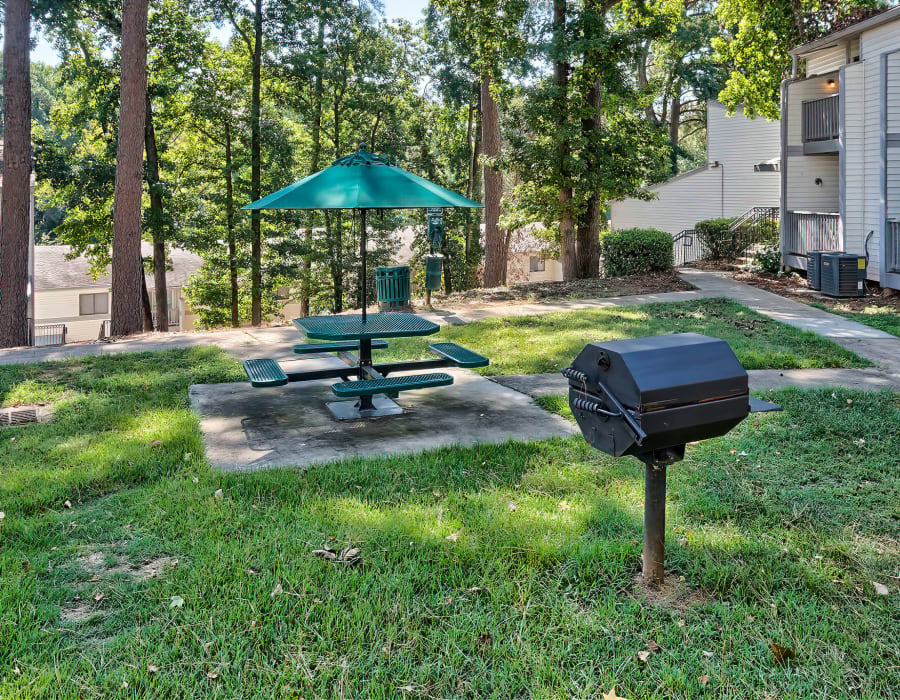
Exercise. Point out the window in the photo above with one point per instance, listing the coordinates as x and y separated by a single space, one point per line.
92 304
537 264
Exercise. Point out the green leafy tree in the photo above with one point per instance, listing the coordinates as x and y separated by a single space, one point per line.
760 35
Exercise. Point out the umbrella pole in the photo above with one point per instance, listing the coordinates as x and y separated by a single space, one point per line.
362 259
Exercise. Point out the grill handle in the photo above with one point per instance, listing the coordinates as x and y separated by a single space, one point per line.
639 435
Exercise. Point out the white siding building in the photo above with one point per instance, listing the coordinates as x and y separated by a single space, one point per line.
65 294
740 174
841 147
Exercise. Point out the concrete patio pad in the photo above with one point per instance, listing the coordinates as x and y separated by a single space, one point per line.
246 429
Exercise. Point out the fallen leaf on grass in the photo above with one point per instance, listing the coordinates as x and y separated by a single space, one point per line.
219 493
100 596
152 668
453 537
644 656
277 591
155 443
704 679
708 653
68 504
782 654
880 588
611 695
513 507
348 555
407 689
176 602
212 675
652 646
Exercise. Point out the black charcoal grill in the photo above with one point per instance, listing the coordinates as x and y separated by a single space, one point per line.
649 397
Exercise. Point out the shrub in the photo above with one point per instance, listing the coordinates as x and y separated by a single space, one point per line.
634 251
768 259
718 241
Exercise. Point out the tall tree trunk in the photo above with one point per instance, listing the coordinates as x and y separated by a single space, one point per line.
126 257
256 170
336 234
588 231
229 226
145 303
563 147
675 118
157 225
316 136
15 222
494 267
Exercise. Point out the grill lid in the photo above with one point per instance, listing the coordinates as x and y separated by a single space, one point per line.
663 371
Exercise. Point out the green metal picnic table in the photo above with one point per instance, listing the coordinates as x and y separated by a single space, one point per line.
373 390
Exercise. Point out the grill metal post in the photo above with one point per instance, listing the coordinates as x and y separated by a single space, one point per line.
654 523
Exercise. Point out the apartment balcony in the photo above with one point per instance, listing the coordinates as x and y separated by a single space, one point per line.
821 125
807 230
892 247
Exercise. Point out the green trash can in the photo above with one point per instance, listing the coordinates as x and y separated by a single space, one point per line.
433 267
392 286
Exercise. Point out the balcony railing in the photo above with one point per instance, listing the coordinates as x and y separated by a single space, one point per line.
892 231
821 119
806 231
49 334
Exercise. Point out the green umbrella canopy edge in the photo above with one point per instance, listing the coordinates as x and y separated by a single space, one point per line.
362 180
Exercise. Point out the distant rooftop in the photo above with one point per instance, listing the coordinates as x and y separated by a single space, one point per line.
52 269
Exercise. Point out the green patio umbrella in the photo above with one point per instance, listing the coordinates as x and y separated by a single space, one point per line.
362 181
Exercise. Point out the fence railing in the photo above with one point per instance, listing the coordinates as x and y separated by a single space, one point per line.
754 228
892 232
821 119
807 230
49 334
686 247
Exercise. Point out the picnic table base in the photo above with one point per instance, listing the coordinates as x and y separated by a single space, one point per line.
352 410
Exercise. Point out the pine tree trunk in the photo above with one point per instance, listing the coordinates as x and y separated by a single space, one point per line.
160 289
494 258
15 223
675 118
563 147
229 226
126 257
588 232
256 170
145 303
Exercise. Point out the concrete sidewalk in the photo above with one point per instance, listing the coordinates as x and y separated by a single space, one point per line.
877 346
881 348
553 383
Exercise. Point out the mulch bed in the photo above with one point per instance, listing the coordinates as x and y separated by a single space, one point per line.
576 289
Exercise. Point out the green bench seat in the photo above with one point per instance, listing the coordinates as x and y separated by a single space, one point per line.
263 373
391 385
458 355
351 345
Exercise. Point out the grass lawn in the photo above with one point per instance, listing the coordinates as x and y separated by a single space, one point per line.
548 342
884 318
496 571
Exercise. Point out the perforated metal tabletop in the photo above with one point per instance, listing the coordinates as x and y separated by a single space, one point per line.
351 326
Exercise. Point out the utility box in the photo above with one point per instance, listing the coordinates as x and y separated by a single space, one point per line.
843 275
814 268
